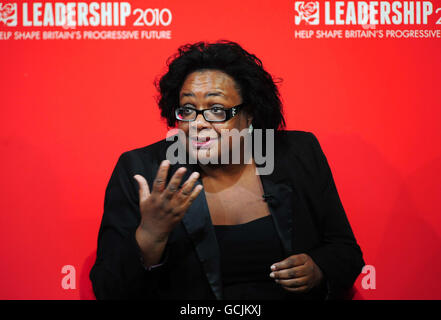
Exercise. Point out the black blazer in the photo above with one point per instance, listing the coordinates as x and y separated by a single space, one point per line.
309 218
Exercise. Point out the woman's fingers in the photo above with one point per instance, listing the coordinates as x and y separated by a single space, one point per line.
188 185
186 195
144 191
173 198
290 262
192 197
161 177
174 183
294 283
295 272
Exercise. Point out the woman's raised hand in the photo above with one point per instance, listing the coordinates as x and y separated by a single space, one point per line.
165 206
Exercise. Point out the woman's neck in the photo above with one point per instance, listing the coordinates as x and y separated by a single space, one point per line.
226 174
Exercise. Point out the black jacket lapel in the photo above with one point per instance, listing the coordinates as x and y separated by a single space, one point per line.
197 222
279 197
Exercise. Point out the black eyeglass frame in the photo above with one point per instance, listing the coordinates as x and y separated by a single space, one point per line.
229 113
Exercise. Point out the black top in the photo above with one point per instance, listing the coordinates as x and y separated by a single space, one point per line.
247 252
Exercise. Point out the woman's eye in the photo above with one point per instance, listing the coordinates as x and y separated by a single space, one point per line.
187 111
217 109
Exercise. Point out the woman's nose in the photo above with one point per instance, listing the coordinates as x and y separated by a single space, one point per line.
200 122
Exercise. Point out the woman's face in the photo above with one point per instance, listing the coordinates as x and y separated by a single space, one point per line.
203 90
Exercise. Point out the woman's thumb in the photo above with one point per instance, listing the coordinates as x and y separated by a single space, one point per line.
144 191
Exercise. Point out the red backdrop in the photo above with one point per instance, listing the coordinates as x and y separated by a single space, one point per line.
69 108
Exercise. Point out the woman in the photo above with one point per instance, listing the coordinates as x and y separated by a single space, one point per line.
207 229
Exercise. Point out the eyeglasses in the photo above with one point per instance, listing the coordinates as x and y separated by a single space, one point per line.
214 114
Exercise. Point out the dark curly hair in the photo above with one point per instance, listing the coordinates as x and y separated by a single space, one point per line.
257 87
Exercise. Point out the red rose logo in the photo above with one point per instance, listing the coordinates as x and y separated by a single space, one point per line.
307 11
8 12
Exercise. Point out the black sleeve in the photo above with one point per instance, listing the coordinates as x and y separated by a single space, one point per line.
118 272
339 257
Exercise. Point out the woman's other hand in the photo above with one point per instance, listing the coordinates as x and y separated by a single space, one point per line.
297 273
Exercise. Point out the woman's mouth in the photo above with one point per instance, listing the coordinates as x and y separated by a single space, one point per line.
202 142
